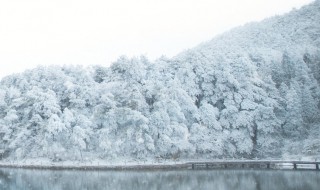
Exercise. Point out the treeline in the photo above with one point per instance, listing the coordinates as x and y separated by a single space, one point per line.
251 92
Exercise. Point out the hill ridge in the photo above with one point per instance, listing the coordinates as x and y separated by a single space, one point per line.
252 92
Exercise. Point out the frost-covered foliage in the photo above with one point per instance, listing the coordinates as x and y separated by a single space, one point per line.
251 92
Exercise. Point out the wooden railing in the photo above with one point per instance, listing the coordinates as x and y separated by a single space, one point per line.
258 164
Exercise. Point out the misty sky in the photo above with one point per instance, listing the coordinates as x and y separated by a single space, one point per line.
34 32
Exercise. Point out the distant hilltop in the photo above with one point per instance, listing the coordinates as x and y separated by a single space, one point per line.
252 92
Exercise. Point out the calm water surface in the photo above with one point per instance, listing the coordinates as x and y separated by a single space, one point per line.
26 179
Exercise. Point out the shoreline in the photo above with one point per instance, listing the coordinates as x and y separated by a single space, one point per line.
169 165
179 166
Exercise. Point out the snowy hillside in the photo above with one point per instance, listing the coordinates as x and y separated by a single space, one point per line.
251 92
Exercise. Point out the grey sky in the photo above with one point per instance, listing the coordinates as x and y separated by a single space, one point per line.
34 32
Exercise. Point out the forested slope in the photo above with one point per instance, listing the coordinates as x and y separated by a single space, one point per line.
251 92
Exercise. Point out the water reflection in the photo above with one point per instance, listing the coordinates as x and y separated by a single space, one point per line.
132 180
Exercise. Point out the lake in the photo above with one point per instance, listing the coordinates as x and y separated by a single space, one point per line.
29 179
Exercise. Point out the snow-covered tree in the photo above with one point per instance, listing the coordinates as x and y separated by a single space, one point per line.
250 92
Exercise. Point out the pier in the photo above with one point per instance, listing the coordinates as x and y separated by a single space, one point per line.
255 164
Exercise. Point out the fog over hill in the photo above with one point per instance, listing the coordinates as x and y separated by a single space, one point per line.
251 92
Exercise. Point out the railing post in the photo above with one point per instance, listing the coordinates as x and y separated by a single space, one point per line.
294 166
317 166
192 165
